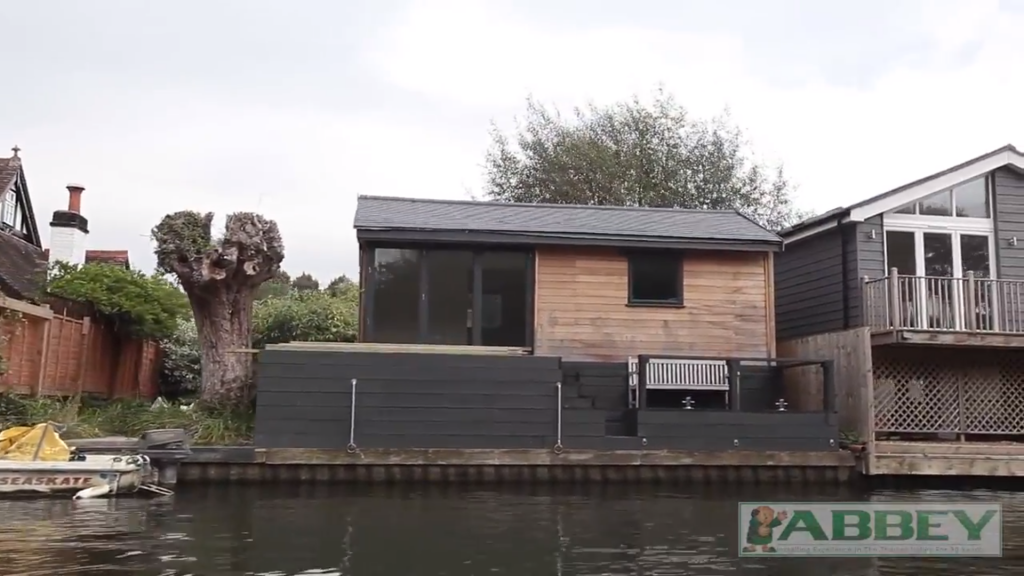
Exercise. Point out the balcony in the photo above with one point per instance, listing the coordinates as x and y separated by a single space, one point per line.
945 311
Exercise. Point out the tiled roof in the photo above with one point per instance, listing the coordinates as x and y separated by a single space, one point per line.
22 268
388 213
118 257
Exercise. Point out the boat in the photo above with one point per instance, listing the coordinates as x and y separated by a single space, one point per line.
34 460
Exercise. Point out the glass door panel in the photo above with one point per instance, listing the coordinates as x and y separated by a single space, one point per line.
396 296
504 315
449 297
941 292
901 254
981 294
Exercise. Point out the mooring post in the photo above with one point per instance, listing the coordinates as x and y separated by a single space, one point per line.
558 440
352 421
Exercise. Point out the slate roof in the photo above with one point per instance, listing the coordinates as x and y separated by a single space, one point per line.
22 268
22 265
563 221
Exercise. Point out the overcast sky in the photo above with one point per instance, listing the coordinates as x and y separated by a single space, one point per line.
293 109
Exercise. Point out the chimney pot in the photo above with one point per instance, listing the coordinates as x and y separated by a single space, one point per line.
75 198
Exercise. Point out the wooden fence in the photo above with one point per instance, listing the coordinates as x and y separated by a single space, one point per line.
68 353
851 352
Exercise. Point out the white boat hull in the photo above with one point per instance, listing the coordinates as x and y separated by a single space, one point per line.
122 474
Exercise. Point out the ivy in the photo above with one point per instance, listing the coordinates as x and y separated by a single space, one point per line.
139 305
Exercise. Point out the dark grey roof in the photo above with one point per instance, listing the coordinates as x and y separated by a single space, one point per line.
593 222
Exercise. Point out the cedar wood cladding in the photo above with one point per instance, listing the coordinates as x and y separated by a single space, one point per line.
581 311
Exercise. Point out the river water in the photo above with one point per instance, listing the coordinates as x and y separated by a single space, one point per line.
409 531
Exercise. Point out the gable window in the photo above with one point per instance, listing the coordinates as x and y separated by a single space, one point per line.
968 200
9 210
655 279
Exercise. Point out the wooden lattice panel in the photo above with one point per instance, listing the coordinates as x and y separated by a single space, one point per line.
953 391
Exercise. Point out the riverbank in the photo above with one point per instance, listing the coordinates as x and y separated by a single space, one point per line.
248 464
87 418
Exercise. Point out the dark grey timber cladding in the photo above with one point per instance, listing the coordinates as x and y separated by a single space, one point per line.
869 260
607 383
809 286
304 400
1009 213
714 430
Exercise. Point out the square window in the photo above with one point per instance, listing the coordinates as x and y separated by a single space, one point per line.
656 278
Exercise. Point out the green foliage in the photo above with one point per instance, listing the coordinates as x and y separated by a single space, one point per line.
140 305
127 418
307 316
279 285
305 283
340 285
180 371
635 154
181 237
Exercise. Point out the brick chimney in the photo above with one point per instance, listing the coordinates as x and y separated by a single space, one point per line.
69 229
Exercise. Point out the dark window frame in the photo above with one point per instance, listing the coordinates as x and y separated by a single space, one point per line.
679 301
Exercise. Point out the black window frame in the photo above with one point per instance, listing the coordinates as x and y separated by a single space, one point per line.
667 258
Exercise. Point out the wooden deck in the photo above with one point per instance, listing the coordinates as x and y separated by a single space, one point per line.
944 459
889 337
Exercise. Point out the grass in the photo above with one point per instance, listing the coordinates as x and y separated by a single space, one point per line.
85 418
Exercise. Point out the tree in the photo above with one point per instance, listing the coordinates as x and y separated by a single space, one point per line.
138 305
279 285
305 283
340 285
221 277
635 154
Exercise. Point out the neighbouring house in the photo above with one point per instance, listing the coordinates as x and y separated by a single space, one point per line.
935 270
55 347
22 260
581 282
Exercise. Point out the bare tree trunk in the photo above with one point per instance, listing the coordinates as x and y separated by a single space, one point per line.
224 324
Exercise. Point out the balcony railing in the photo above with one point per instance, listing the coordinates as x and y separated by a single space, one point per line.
968 304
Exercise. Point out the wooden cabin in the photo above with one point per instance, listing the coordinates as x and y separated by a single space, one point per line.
580 282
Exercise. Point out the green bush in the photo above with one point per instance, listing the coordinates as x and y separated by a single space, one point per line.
180 371
307 316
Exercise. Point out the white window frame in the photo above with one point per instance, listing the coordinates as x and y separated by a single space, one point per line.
921 225
9 208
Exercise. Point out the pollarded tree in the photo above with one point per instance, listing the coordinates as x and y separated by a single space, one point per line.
221 277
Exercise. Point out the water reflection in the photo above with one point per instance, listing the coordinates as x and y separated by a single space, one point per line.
335 530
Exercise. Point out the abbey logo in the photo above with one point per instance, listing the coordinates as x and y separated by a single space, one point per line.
870 529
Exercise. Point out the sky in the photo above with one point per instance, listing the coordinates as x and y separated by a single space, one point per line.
294 109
